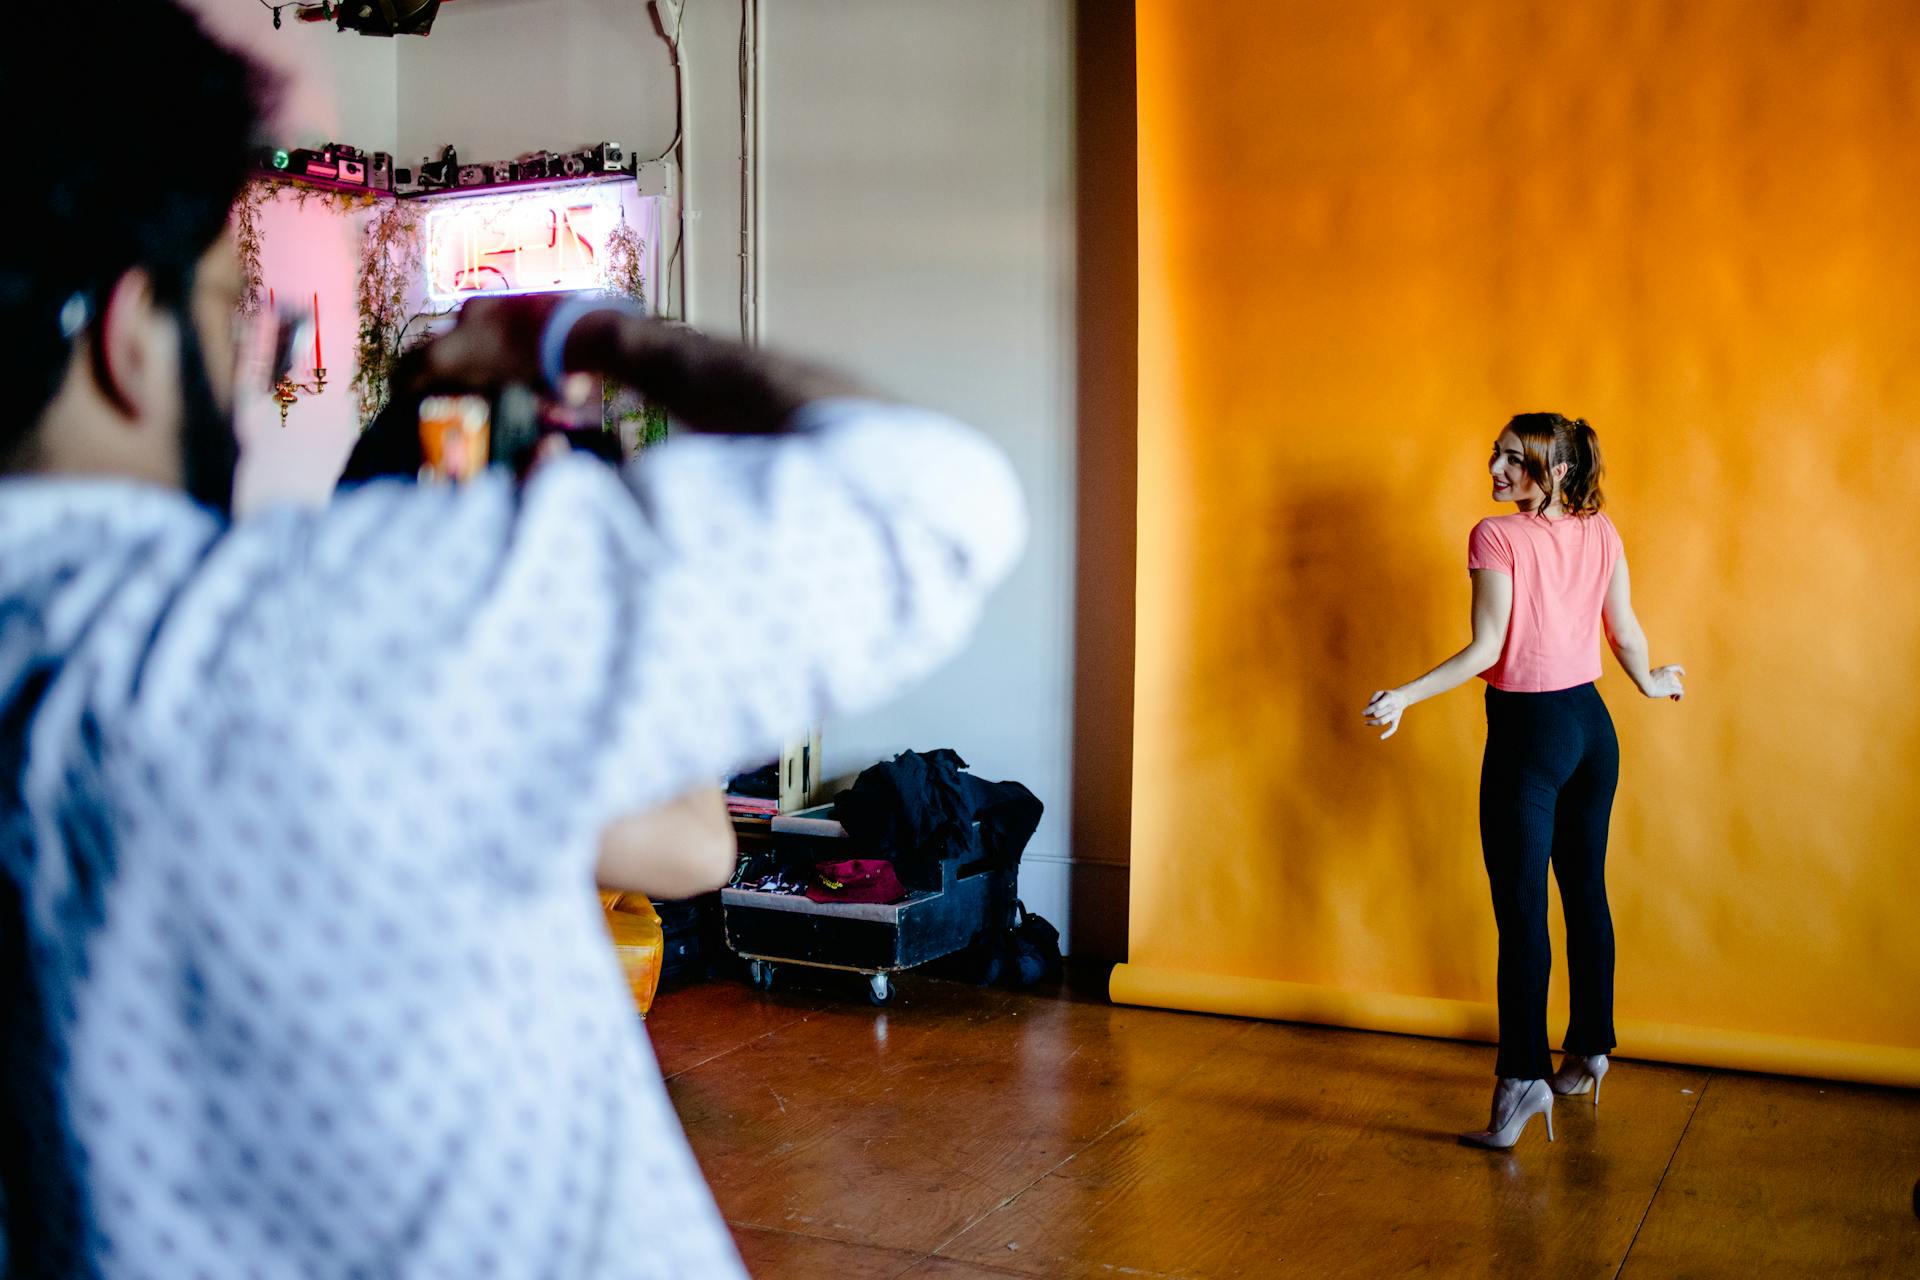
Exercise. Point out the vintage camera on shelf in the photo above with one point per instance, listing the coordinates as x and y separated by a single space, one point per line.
534 165
474 175
438 175
380 171
606 157
307 162
350 162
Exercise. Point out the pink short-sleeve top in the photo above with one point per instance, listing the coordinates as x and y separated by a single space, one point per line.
1560 570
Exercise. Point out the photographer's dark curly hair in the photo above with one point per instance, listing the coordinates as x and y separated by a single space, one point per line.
1549 439
132 134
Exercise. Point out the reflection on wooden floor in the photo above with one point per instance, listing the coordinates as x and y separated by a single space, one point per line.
965 1133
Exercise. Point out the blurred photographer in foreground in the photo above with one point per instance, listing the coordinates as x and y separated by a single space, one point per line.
301 964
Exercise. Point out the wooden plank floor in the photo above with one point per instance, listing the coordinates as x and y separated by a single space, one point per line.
964 1134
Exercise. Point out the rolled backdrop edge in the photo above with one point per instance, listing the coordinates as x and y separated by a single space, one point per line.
1433 1016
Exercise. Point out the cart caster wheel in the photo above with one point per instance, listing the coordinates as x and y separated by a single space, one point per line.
762 975
879 988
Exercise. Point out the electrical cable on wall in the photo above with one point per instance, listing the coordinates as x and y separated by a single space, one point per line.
669 32
749 175
669 29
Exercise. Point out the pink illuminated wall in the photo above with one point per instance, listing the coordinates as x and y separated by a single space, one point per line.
306 251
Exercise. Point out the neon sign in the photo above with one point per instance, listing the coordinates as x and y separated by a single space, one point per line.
538 242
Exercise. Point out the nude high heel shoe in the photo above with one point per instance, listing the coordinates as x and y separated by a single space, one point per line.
1536 1099
1577 1074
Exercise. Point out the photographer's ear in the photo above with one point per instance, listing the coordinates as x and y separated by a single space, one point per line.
135 353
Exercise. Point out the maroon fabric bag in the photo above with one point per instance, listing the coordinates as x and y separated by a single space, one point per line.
856 880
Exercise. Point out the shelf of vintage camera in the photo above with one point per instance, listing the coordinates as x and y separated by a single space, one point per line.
333 167
339 167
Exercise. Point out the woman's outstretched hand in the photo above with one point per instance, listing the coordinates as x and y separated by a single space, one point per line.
1386 708
1664 682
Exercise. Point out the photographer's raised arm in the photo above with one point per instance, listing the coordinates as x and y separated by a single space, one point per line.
707 384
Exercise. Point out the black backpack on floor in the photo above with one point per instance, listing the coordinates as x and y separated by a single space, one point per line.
1023 955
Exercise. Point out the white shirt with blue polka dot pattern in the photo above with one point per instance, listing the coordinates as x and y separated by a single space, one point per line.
301 964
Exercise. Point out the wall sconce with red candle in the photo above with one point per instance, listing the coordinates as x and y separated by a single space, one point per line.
286 390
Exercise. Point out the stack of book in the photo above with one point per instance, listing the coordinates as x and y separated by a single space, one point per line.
754 797
751 807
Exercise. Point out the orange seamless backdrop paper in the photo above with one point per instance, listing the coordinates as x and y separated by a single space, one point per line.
1371 231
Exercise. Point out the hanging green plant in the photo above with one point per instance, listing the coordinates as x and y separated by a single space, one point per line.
389 261
246 235
337 201
625 253
621 405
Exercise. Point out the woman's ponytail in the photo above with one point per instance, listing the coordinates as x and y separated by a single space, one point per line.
1580 491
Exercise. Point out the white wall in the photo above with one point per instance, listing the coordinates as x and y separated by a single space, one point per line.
498 78
916 222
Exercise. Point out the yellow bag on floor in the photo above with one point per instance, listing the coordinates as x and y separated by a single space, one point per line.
637 940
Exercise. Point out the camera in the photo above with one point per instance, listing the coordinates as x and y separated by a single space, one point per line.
444 172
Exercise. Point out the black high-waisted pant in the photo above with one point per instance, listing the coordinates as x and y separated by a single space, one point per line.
1546 794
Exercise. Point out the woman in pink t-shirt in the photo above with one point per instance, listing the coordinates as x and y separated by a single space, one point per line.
1545 579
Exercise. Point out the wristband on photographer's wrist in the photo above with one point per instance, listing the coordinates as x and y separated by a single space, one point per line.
560 326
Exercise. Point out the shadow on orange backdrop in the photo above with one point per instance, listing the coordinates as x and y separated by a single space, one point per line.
1369 232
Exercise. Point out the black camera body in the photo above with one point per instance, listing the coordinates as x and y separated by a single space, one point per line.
440 174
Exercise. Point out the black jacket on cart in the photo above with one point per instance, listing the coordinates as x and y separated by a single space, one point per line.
921 808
